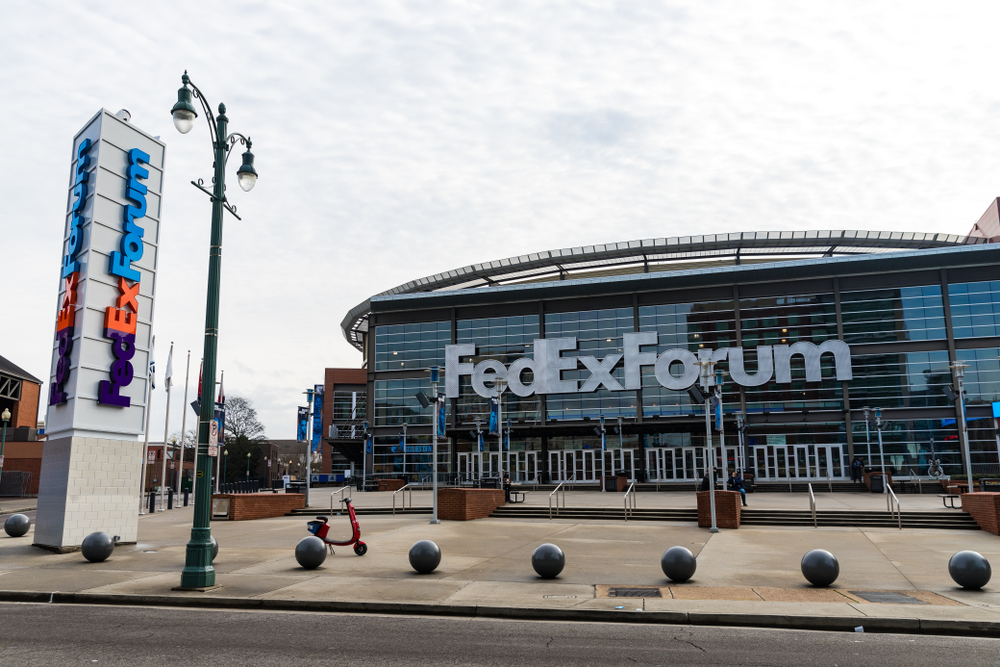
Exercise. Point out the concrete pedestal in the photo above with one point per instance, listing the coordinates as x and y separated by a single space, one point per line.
87 485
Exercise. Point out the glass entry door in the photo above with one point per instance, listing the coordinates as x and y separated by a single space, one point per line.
622 460
576 465
522 466
468 466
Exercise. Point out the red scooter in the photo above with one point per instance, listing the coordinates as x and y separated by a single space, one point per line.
320 528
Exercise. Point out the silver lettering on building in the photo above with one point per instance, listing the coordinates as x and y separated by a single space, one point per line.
675 369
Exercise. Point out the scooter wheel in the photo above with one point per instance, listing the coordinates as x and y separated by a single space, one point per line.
361 548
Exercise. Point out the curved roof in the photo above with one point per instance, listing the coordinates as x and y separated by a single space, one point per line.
655 256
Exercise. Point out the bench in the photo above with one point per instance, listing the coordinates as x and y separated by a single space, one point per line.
514 496
946 497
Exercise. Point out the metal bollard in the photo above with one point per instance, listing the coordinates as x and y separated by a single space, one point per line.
170 499
152 502
185 499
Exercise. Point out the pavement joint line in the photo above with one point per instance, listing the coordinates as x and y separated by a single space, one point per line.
989 629
894 566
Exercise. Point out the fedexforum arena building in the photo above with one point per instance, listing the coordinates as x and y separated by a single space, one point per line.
809 331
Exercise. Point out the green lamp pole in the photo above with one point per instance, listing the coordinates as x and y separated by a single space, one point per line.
5 416
198 571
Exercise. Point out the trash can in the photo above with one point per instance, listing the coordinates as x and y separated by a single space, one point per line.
875 483
296 487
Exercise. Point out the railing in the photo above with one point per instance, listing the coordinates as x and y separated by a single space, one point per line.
407 489
629 500
829 481
915 476
890 500
341 492
812 505
555 493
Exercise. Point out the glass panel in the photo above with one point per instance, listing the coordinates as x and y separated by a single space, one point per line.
906 313
975 308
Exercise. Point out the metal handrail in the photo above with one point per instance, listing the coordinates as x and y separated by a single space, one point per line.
554 492
341 492
812 505
407 488
631 489
920 486
829 481
890 499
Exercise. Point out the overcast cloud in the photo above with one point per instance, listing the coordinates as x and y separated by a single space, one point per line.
396 140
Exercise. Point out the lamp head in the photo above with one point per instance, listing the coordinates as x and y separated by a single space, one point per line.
246 174
422 398
183 111
6 415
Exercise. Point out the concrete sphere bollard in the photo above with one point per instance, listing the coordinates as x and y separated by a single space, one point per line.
548 561
310 552
97 547
820 567
970 569
17 525
425 556
678 564
215 547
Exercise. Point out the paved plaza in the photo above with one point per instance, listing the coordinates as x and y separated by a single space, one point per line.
486 563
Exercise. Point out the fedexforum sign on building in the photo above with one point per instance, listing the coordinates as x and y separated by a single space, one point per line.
97 396
806 329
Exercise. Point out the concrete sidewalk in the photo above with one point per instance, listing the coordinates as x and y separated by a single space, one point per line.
748 576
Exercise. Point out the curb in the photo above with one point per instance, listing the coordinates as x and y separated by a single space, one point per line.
780 622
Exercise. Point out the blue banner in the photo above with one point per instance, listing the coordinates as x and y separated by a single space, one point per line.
442 422
317 434
480 442
506 440
494 427
301 427
369 444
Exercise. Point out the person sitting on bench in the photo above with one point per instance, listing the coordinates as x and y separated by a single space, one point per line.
736 484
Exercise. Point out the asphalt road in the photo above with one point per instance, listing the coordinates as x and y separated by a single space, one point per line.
38 634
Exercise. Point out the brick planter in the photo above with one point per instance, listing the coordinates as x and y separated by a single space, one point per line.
984 508
248 506
727 509
390 484
468 504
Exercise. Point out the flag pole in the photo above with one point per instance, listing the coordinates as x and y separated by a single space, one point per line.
166 426
145 445
187 375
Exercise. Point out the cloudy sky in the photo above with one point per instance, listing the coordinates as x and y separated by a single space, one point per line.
400 139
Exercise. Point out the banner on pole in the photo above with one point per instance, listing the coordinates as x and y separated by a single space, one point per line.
317 434
494 426
301 428
442 423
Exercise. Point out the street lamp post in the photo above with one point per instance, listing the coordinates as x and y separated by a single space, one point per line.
963 431
707 380
225 460
868 435
879 425
198 570
5 417
248 466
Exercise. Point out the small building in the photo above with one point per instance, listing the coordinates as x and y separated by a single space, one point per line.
20 392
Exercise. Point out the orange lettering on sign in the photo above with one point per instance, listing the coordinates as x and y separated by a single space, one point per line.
129 295
120 320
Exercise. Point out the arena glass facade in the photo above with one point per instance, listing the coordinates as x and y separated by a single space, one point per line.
906 311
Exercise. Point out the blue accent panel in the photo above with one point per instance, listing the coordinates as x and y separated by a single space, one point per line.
119 265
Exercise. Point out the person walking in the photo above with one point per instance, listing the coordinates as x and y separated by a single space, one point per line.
506 486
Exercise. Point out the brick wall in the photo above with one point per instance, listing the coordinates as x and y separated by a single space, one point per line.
34 466
249 506
468 504
25 413
727 509
985 509
390 484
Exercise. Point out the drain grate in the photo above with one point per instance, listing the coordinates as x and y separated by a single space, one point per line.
634 593
887 597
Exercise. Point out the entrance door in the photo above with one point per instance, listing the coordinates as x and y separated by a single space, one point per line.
522 466
622 460
830 461
468 466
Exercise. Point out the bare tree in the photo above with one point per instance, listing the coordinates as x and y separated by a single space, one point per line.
243 433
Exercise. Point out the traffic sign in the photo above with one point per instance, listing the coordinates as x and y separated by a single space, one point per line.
213 450
213 433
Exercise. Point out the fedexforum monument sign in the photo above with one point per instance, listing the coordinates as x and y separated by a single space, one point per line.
675 369
97 398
